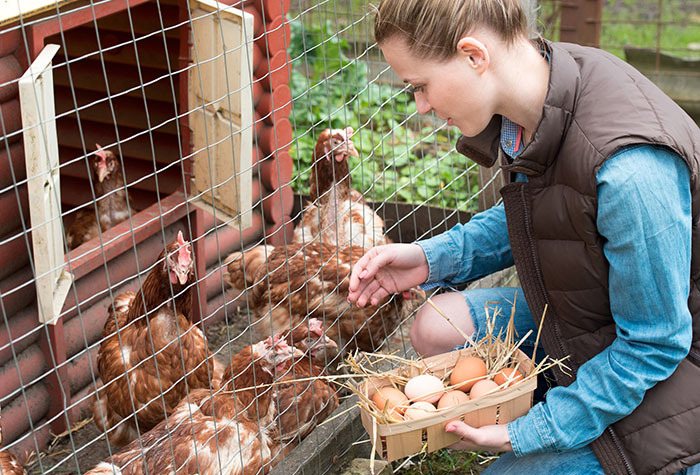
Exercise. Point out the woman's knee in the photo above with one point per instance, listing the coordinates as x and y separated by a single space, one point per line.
432 334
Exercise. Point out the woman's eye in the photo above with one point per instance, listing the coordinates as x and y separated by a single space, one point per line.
415 89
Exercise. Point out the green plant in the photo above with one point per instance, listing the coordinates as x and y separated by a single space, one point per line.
399 160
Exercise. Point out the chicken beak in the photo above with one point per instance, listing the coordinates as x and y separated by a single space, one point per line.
182 277
352 150
101 174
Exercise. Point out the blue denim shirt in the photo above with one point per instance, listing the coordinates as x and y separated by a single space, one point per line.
644 214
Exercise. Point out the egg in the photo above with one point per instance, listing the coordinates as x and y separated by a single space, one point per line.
466 372
452 398
397 401
512 375
419 410
482 387
424 387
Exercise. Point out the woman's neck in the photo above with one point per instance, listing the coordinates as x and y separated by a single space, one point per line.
523 74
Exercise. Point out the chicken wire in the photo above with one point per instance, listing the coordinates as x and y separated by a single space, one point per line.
121 73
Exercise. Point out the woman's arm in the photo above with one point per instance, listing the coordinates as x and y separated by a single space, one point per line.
644 213
469 251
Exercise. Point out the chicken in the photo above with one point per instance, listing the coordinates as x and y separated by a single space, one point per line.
230 432
9 465
337 213
147 323
112 207
286 285
304 401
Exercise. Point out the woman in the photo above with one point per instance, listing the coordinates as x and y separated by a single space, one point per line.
598 217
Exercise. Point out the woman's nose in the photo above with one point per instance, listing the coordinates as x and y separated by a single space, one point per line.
422 105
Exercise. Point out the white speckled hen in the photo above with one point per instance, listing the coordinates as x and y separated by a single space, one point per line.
337 213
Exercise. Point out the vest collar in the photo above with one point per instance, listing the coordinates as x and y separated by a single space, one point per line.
540 152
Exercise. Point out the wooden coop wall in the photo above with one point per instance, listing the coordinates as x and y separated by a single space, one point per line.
27 372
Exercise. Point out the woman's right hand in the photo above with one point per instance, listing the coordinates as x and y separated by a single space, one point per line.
386 270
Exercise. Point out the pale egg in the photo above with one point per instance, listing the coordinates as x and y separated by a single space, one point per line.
482 387
395 399
466 372
419 410
511 375
452 398
424 387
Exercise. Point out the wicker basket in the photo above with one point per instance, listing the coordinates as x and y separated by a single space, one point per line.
396 440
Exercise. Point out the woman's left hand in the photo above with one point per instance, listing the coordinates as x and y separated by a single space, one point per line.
493 438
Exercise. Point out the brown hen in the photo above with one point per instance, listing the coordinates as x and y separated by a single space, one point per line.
308 398
112 207
147 323
337 213
287 285
230 432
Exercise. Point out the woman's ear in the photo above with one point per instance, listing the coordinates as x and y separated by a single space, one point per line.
475 52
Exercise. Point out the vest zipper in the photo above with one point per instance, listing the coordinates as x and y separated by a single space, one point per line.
616 442
557 333
694 357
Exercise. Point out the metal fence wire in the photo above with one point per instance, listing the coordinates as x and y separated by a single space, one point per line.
184 186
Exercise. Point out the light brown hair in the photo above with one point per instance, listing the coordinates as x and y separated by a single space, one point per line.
432 28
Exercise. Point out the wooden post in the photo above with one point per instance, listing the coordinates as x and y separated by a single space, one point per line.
52 281
581 22
221 110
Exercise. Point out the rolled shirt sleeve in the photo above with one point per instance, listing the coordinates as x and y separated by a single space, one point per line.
644 214
469 251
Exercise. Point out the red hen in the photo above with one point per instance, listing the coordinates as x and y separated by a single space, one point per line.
307 398
289 284
111 197
229 433
147 323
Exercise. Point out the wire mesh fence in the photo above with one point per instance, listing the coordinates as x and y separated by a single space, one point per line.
175 242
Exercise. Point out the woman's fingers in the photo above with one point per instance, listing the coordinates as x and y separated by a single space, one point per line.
372 293
360 270
491 437
461 429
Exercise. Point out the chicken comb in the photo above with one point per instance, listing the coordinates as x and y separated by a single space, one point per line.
280 345
184 255
316 326
101 153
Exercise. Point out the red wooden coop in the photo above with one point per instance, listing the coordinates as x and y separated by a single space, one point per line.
142 78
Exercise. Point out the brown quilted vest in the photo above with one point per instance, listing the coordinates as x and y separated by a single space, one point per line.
596 104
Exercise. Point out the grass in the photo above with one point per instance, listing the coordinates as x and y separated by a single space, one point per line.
444 462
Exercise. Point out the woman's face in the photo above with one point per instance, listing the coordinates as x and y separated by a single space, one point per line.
454 88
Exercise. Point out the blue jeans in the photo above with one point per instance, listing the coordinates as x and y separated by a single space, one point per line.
581 461
576 462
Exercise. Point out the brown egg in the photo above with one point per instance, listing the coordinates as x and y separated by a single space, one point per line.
512 375
481 388
397 401
452 398
419 410
466 372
